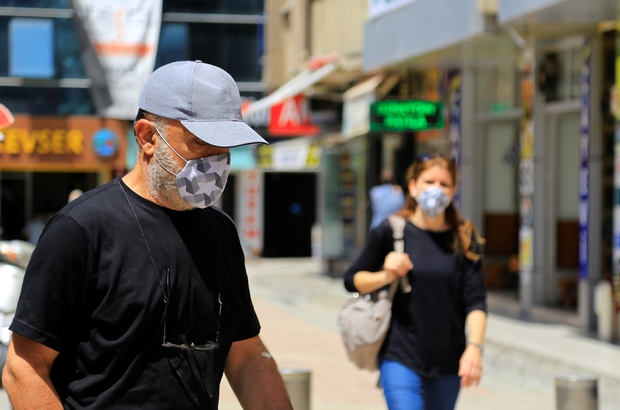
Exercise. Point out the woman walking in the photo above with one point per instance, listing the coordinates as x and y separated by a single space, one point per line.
427 356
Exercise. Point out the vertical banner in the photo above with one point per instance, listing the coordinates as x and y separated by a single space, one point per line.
584 172
453 105
124 36
616 213
526 182
250 221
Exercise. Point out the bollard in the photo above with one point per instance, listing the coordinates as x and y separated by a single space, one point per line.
297 383
604 308
576 392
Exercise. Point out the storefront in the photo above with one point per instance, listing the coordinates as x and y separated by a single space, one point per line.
565 189
42 159
288 182
342 201
529 139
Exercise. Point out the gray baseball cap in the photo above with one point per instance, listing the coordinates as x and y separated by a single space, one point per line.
204 98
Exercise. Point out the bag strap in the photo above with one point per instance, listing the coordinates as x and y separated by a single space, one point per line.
398 233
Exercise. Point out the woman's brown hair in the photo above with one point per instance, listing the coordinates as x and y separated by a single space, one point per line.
466 236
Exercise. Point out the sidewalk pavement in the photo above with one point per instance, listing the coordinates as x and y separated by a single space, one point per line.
298 307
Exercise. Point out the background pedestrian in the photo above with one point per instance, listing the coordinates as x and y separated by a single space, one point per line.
427 356
386 198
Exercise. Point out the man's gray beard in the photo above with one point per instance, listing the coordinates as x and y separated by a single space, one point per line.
162 185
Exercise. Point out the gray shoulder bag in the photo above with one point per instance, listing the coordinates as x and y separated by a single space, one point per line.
365 319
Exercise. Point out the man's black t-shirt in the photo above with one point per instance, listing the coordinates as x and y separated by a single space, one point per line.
427 333
92 293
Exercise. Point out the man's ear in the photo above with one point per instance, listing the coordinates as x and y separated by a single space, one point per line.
145 133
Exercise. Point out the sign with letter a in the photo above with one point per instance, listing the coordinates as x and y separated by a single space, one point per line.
292 118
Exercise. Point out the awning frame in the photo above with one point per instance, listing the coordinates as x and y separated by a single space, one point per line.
296 85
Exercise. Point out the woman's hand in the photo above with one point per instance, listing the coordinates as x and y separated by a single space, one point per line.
396 264
470 366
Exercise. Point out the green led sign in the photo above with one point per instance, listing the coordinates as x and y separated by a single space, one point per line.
408 115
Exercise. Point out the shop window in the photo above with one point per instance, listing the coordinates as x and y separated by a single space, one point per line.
66 49
47 101
52 4
234 47
4 46
31 48
559 74
549 77
174 42
496 89
214 6
576 65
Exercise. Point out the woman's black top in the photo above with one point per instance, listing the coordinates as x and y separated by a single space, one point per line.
428 324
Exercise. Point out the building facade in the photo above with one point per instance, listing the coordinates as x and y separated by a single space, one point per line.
63 138
530 109
535 131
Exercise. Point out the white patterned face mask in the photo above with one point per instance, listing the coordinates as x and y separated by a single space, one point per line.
433 201
202 180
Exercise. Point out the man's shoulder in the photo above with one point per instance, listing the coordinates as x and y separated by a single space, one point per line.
218 213
97 202
221 218
87 196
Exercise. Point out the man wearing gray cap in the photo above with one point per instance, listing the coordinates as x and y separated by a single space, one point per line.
136 296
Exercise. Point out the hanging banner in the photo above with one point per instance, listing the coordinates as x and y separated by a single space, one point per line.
584 174
250 221
454 80
526 184
124 36
616 213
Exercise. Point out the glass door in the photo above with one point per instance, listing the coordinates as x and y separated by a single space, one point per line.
501 204
566 208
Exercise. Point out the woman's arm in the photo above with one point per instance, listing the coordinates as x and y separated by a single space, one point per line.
395 265
470 365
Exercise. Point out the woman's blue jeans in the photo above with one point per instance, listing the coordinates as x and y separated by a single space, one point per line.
404 389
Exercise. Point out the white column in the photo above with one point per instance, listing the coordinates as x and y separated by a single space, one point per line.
471 160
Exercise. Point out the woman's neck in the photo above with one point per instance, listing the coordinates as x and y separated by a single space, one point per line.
423 221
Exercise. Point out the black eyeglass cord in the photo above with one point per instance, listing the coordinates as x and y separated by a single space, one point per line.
120 185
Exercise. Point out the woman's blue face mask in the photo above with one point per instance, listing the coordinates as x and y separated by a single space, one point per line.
433 201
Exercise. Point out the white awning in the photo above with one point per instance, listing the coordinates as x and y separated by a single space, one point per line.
363 88
295 86
356 106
